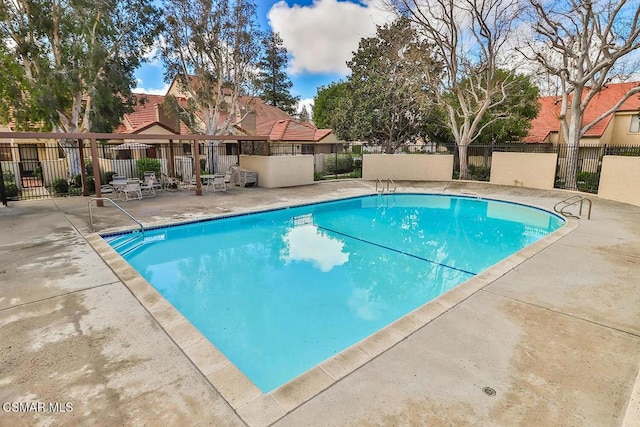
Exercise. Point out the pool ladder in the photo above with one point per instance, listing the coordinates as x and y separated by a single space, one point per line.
382 187
562 206
95 199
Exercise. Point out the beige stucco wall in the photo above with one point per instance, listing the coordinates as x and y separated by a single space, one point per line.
408 167
280 171
532 170
619 179
620 134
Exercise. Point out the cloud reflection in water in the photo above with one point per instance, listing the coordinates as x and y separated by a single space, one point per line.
307 243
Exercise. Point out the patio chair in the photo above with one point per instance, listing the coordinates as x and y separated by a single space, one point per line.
218 183
189 183
148 186
116 184
169 181
229 174
131 190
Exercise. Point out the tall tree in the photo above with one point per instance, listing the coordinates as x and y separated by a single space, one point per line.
468 39
330 107
511 120
273 83
391 99
304 116
211 48
584 44
69 65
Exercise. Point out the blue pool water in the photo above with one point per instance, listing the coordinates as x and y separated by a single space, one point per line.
280 291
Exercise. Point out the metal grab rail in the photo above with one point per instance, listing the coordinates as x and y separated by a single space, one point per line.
114 204
388 190
571 201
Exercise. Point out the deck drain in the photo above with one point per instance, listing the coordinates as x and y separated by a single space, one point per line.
489 391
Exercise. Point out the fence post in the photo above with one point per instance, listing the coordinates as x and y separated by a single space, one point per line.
196 156
83 174
3 193
96 171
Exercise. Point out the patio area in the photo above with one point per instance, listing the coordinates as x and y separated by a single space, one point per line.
557 337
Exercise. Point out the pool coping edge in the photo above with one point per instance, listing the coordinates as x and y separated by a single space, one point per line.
260 409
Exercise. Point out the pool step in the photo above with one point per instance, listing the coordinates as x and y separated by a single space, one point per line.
122 244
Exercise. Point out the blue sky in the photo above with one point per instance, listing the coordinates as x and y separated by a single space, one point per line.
319 35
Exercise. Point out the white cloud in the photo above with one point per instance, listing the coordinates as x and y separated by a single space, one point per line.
161 91
306 102
321 37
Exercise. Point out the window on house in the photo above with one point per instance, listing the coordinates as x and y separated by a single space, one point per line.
307 149
635 124
5 154
186 148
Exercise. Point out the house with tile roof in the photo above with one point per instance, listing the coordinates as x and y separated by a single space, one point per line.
619 128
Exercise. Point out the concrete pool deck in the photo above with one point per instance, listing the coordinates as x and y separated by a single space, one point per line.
556 335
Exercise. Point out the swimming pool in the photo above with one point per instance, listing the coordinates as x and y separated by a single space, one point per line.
280 291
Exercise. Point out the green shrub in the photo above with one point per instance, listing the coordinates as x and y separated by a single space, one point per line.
587 181
148 165
107 177
88 168
356 149
91 184
338 163
60 186
8 176
479 173
10 189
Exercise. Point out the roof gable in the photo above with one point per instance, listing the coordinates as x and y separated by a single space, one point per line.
548 119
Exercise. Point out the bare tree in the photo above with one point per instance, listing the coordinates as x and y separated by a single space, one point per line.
584 44
469 38
212 48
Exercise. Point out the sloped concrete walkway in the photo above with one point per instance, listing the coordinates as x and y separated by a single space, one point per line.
557 337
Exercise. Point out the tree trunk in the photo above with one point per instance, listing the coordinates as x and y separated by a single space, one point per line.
72 154
212 154
573 148
462 157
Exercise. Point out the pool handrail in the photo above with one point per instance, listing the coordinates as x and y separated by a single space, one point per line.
114 204
382 189
570 201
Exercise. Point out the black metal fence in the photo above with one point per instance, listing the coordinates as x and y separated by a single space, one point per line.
589 159
42 170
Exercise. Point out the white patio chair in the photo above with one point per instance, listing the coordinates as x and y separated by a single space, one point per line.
131 190
169 181
189 183
148 186
218 183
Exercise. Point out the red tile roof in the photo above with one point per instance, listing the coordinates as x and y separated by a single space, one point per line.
606 99
144 116
291 130
548 119
269 121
